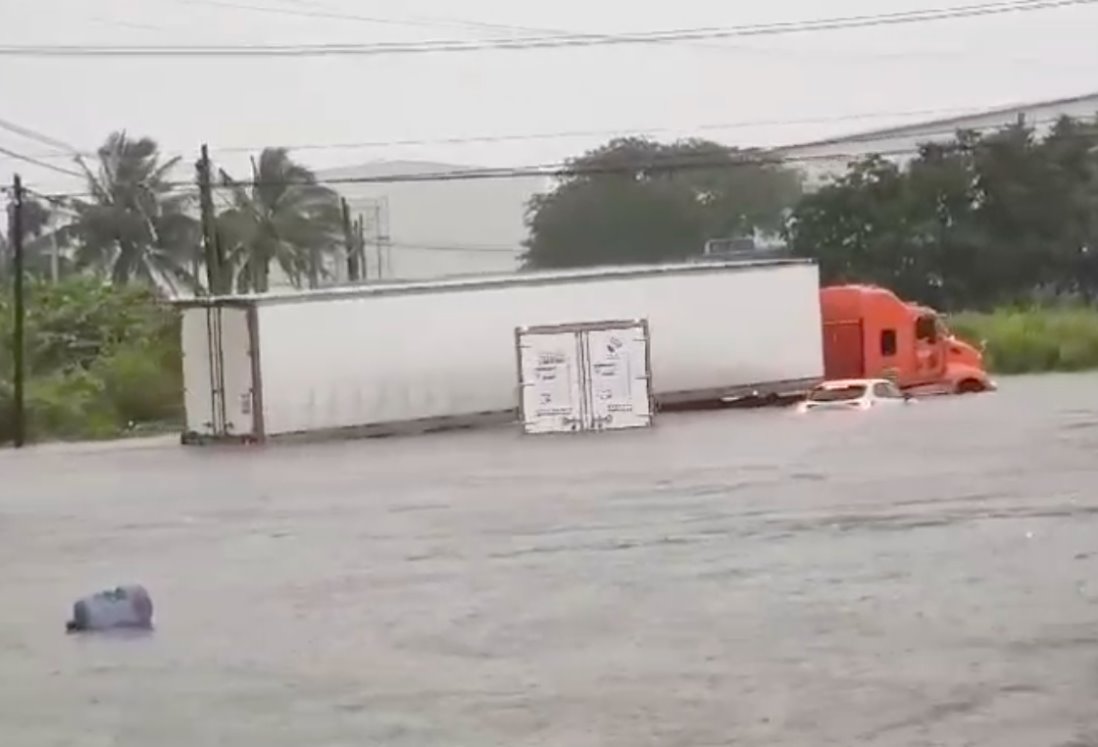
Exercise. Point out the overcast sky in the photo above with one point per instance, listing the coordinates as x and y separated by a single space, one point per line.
829 82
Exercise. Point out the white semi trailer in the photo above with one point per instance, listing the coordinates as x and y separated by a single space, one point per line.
373 360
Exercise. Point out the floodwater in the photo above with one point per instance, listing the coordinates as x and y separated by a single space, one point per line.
924 576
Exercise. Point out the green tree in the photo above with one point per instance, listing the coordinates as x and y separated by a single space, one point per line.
137 225
635 201
282 216
971 223
41 239
99 358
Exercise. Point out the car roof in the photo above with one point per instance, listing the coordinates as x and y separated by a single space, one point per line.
841 383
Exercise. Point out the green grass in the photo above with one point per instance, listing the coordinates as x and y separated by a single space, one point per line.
1033 340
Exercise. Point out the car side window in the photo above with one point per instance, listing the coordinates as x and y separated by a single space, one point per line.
884 390
888 343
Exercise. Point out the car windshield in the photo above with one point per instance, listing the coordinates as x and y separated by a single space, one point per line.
837 393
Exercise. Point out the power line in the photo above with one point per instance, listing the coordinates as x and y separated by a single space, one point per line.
341 16
546 171
434 20
545 42
464 248
569 134
325 13
107 21
716 158
38 136
529 31
37 162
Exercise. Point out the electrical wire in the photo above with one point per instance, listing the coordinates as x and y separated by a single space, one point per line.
320 13
545 42
38 136
546 171
470 248
437 21
39 163
717 158
326 12
571 134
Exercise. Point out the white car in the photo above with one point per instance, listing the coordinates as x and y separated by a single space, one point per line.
854 394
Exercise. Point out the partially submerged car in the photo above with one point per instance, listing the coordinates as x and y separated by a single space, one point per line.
854 394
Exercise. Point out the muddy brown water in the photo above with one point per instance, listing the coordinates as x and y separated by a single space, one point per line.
922 576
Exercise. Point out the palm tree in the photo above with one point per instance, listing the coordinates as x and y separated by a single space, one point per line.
283 216
136 225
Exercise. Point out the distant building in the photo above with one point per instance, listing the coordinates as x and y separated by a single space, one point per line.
416 230
431 228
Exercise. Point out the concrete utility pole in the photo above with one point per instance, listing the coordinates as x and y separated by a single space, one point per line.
55 259
360 247
209 229
349 242
18 344
377 238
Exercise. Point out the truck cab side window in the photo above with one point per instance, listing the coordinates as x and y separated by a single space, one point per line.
888 343
926 329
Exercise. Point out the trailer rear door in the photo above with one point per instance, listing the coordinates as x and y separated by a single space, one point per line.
550 382
616 365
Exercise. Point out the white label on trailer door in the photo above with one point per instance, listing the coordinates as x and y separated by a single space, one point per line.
618 378
551 390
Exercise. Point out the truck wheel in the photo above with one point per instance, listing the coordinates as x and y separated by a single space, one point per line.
970 386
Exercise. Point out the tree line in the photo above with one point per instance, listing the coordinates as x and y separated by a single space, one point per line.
978 221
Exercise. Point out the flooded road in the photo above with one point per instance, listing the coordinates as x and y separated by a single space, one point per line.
918 577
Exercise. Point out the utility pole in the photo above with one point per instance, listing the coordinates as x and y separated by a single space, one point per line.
349 242
18 344
209 231
360 247
55 259
377 236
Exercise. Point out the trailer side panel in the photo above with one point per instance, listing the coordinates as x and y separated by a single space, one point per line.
359 361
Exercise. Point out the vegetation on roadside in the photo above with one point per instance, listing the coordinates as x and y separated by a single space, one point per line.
1034 340
101 361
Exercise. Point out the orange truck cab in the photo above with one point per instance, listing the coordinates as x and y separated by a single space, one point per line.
868 332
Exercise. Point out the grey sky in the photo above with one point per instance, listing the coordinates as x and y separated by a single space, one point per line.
684 87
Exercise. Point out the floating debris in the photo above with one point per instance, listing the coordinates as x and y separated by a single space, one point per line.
122 607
